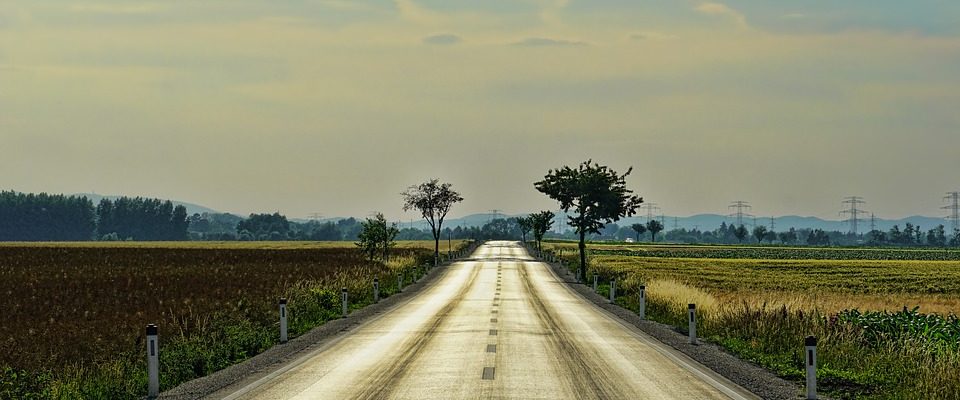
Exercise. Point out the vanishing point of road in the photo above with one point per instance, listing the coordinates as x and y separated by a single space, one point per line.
499 325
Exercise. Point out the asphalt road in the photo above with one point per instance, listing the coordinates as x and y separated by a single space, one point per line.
499 325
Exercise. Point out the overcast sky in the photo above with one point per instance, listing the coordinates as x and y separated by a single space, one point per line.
336 106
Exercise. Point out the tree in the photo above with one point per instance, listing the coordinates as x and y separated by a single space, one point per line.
937 237
525 224
596 194
759 232
955 241
654 227
788 236
740 233
541 223
434 200
639 229
376 237
770 236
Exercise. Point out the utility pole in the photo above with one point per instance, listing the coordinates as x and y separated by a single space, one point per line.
954 207
740 206
651 208
854 212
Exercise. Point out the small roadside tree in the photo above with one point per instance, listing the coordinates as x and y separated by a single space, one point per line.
740 233
525 224
759 232
654 227
597 194
639 229
376 237
434 200
541 223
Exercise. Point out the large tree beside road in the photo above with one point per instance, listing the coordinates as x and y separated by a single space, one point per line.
434 200
596 194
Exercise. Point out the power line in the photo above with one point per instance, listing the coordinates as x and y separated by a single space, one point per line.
740 206
651 208
954 207
854 212
495 213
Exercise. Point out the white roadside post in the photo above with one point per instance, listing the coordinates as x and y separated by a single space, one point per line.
283 320
343 293
613 290
376 290
642 309
595 277
153 362
811 344
692 310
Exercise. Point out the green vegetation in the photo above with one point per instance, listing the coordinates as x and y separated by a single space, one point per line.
760 302
215 306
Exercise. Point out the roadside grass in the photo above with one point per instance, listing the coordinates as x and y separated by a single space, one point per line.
761 309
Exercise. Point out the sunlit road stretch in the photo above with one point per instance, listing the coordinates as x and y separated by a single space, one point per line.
499 325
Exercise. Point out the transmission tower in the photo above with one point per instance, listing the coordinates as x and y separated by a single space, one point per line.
663 221
316 216
651 209
853 211
873 222
494 214
740 206
773 224
676 224
954 207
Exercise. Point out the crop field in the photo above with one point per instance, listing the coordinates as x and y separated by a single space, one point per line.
74 316
886 318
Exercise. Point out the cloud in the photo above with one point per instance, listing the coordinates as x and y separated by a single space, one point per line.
546 42
117 9
442 39
651 36
723 10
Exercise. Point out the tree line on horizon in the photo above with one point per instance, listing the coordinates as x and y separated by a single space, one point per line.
45 217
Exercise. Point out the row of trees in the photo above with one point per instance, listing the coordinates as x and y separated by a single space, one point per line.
141 219
43 217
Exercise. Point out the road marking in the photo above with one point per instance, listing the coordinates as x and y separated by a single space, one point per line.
491 348
488 373
493 332
493 320
493 312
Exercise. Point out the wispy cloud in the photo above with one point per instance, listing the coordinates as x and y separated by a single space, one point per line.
545 42
118 9
723 10
442 39
651 36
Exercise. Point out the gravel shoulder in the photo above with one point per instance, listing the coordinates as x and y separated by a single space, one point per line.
748 375
224 382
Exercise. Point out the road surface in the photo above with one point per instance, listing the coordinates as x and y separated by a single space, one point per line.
499 325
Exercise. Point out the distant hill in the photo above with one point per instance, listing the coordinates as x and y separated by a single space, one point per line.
191 208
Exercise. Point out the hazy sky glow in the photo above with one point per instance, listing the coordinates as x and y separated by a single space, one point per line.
336 106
